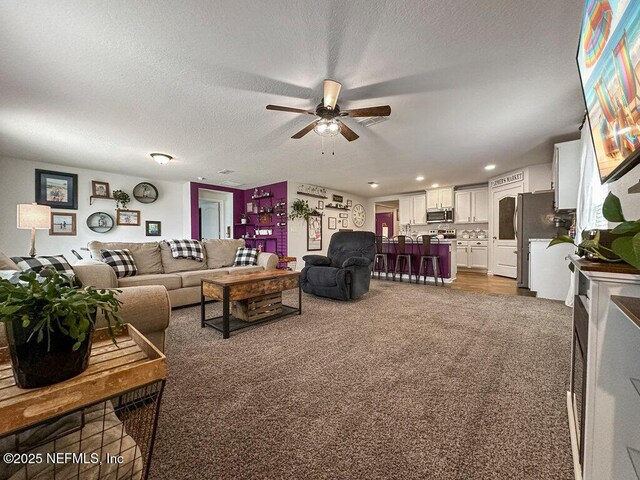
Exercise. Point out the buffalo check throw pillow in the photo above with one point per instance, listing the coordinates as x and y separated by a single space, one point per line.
186 249
121 261
246 256
36 264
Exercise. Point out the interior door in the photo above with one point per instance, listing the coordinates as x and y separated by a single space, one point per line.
504 244
210 225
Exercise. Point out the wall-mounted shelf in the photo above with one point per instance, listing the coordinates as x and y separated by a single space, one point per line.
312 195
260 197
337 207
93 197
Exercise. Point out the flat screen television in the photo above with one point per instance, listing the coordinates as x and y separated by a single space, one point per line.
609 65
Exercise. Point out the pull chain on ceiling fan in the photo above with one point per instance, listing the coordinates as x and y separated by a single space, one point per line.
330 124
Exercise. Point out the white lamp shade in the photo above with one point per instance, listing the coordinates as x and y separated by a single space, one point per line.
32 215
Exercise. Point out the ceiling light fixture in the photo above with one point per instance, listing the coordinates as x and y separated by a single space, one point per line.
161 158
435 185
327 128
373 184
202 178
419 178
489 167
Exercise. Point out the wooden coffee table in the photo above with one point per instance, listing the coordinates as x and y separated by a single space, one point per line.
257 299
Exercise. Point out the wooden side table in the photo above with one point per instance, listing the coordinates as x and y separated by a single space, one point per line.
99 424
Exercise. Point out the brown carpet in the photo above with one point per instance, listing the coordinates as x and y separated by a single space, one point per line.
409 382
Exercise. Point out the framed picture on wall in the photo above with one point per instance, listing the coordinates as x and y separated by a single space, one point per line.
337 198
152 228
100 189
63 223
349 203
128 217
345 223
320 205
333 223
314 233
57 189
343 215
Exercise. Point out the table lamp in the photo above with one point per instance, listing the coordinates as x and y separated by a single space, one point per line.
35 217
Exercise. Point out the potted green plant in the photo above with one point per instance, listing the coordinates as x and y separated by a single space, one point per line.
122 199
301 209
49 325
625 245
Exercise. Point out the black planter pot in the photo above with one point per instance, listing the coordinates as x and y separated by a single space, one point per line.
34 365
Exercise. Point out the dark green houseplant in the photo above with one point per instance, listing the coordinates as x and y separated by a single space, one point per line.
50 323
626 244
300 209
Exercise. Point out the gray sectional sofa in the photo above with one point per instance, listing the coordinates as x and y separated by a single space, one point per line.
181 277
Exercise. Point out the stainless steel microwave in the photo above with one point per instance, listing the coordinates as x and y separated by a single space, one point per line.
440 216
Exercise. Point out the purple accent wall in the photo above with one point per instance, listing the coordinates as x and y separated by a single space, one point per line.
238 197
272 243
277 242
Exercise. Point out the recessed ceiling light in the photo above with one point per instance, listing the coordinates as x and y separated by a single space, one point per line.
202 178
419 178
161 158
435 185
373 184
489 167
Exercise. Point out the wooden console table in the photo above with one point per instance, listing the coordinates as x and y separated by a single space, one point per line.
100 423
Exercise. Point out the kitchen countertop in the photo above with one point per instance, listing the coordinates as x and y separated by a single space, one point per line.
444 241
540 240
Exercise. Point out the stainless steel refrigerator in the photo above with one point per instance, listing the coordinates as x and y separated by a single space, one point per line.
534 220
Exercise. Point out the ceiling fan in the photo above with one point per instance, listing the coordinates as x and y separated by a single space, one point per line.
330 123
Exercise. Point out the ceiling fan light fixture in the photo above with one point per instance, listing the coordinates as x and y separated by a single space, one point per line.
327 128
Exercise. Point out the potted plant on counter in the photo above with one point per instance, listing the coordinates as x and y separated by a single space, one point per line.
50 324
624 244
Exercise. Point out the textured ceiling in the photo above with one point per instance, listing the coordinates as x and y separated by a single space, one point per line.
101 84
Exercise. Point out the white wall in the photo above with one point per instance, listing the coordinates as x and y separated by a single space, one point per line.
630 202
297 229
17 185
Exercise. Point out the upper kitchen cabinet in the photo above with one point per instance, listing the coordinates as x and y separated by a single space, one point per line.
440 198
566 174
412 209
472 206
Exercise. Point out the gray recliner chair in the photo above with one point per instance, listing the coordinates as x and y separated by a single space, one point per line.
345 273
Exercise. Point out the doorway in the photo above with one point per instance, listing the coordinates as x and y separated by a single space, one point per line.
504 244
387 218
215 214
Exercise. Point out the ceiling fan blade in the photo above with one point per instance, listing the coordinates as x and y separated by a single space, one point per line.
289 109
382 111
305 130
348 133
331 92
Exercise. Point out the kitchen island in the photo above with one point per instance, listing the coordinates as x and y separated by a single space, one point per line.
445 249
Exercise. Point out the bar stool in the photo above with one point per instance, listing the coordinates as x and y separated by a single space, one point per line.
404 254
381 255
426 254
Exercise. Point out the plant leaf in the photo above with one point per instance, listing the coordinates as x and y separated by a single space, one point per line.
625 248
612 209
559 240
627 227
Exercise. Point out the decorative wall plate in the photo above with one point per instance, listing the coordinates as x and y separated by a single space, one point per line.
145 192
100 222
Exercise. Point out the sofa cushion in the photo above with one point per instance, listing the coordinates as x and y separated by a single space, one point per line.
244 269
7 264
36 264
169 281
121 261
221 252
192 279
145 254
173 265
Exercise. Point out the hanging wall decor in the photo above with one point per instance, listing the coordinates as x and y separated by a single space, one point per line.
145 192
314 233
57 189
100 222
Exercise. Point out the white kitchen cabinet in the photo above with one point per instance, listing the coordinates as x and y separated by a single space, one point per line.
473 253
565 172
549 274
472 206
413 209
462 212
440 198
